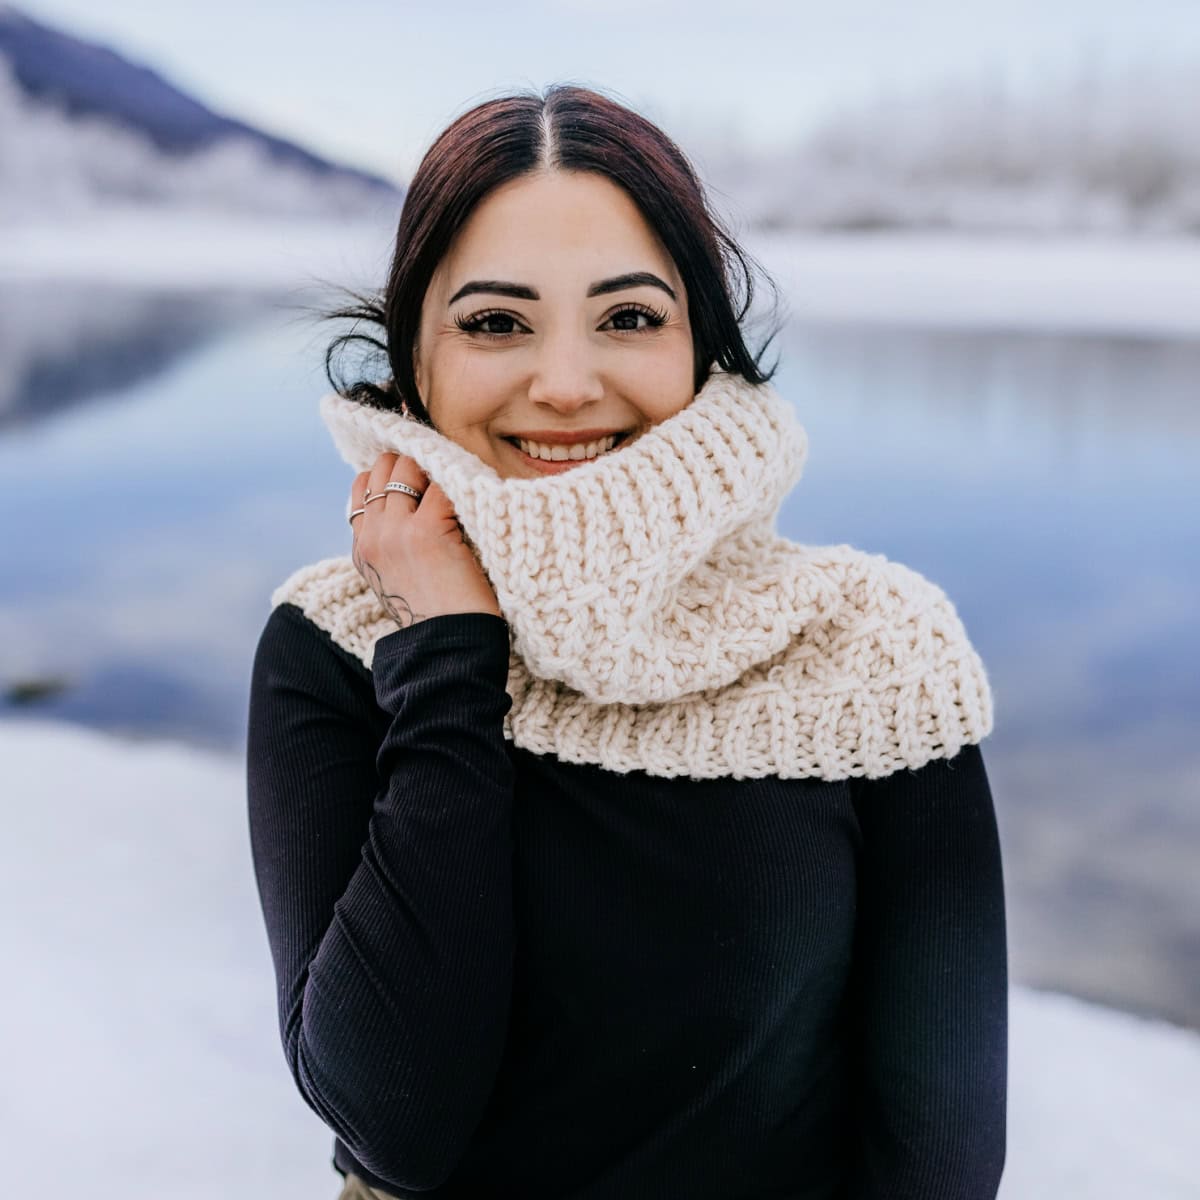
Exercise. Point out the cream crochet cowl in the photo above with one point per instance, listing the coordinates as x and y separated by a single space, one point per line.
658 622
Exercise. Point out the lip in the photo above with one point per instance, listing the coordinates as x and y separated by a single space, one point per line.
547 467
568 437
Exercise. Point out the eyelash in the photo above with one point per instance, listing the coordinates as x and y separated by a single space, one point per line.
657 318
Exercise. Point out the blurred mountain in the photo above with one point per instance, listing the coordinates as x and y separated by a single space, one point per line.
82 127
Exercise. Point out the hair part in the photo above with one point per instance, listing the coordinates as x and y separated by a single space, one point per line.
564 128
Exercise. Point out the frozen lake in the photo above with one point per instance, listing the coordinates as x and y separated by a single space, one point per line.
163 468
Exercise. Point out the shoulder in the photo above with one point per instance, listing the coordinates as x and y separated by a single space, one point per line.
303 645
898 604
334 597
879 586
305 689
899 641
319 585
293 651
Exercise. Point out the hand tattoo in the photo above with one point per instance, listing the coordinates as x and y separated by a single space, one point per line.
394 604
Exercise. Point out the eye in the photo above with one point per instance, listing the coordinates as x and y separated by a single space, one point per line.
627 318
476 321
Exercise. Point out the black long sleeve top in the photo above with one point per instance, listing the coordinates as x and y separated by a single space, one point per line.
503 975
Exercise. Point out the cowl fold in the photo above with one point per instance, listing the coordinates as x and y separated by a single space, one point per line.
658 621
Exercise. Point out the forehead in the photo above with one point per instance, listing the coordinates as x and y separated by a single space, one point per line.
558 224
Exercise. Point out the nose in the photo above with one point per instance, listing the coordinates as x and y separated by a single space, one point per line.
565 378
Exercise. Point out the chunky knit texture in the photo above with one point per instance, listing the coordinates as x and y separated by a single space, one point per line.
658 622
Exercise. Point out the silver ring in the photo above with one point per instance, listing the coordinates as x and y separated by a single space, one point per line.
356 513
393 486
377 496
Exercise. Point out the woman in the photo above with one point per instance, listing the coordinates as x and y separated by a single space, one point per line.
610 845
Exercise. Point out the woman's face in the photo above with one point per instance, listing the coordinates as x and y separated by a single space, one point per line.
555 311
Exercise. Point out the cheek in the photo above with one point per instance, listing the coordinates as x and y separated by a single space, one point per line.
661 384
463 369
462 388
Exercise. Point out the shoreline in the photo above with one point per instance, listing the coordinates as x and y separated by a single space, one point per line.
1115 286
1118 287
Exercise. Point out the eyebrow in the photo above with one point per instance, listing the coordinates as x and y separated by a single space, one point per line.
522 291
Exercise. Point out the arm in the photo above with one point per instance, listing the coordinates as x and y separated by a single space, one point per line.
929 989
384 870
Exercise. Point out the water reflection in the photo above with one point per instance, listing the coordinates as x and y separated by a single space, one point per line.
63 345
1046 482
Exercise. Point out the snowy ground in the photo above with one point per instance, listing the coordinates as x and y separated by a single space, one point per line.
1095 283
158 247
143 1058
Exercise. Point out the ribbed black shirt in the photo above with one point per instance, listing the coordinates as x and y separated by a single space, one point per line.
502 975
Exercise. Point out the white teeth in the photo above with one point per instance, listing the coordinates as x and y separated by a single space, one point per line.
562 453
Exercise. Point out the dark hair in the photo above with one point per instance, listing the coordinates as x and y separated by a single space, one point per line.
566 127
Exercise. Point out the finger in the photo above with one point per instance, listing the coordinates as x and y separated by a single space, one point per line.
358 490
389 466
409 471
371 482
380 473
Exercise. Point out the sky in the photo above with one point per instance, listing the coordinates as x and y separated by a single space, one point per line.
372 83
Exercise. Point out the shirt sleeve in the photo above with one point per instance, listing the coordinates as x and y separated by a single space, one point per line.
384 870
929 987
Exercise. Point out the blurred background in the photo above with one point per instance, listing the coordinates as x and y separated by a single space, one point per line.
984 221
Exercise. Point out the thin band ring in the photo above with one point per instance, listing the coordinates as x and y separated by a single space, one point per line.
394 485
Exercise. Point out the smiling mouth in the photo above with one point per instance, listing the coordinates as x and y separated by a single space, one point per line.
564 458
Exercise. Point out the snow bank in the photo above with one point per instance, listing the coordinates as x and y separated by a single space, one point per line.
142 1020
156 247
1118 286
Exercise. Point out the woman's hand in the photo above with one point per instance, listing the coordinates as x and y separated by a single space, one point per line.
412 553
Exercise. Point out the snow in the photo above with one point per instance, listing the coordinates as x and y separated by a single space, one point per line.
1138 286
143 1055
1097 150
1147 286
156 247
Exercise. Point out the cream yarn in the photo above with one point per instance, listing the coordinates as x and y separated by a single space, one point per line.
659 623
